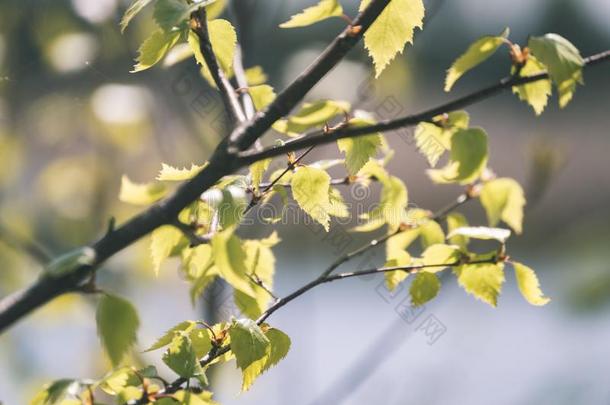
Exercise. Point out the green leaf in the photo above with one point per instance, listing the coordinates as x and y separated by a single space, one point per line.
279 345
481 232
439 254
391 31
484 281
431 233
191 398
456 220
171 13
468 158
311 15
312 115
135 8
529 285
167 338
140 194
434 139
424 287
536 93
393 278
248 342
163 243
155 48
54 392
117 380
233 206
224 42
503 199
117 325
311 190
201 342
393 202
257 171
261 95
256 76
476 53
180 357
230 258
359 150
169 173
563 62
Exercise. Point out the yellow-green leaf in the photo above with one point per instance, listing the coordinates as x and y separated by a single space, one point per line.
279 345
135 8
456 220
484 281
468 158
312 115
169 173
431 233
257 171
168 336
503 199
394 27
162 244
311 15
230 258
433 140
311 190
536 93
476 53
399 258
117 325
424 287
563 61
140 194
261 95
155 48
359 150
224 41
180 357
439 254
529 285
248 342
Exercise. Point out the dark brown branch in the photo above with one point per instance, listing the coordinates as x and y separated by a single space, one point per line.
320 137
224 161
227 92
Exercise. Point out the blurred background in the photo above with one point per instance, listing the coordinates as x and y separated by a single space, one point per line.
73 120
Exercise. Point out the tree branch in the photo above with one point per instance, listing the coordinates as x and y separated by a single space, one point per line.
227 92
320 137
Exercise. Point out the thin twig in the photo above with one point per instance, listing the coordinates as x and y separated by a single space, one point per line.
227 92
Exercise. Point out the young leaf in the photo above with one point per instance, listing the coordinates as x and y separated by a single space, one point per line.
135 7
311 115
224 41
54 392
167 338
431 233
476 53
311 190
248 342
230 258
311 15
537 93
180 357
484 281
393 278
190 398
394 200
140 194
359 150
279 345
503 199
432 141
117 324
261 95
481 232
456 220
234 203
563 62
155 48
394 27
257 171
439 254
424 287
529 285
169 173
162 244
171 13
468 158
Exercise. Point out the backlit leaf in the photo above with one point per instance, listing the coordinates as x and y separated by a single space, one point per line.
230 258
224 41
439 254
155 48
394 27
180 357
248 342
171 13
117 324
262 95
162 244
279 345
311 190
167 338
169 173
529 285
484 281
476 53
321 11
359 150
503 199
135 7
563 62
140 194
456 220
399 258
536 93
